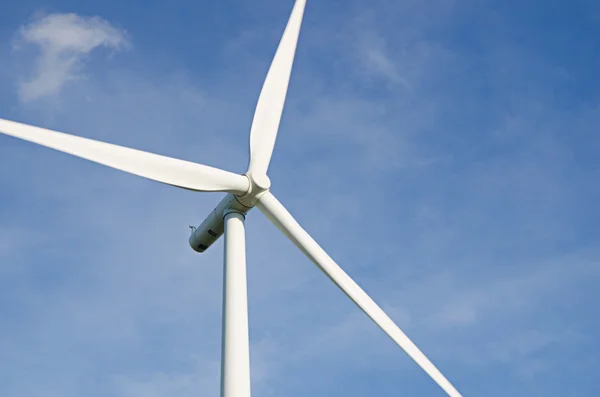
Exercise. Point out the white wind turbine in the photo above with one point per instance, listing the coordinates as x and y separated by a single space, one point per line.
244 192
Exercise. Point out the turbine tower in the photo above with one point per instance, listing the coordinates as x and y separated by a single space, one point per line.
244 193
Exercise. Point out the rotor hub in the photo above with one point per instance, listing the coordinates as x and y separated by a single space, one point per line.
260 182
259 185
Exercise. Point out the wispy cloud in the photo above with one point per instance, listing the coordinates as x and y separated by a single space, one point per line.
373 55
64 42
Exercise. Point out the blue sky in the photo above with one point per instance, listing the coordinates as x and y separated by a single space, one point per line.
443 152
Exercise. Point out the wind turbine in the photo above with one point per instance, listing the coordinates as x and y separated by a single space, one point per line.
244 192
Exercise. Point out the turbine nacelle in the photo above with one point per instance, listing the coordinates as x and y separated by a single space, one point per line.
213 226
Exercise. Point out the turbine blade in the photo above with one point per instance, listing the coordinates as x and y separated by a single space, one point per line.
272 97
180 173
277 213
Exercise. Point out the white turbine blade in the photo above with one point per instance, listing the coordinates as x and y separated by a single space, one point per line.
277 213
163 169
272 97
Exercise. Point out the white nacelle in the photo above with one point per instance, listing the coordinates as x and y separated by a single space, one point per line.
213 226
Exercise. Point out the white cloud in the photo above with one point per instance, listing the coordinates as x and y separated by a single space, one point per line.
376 61
64 41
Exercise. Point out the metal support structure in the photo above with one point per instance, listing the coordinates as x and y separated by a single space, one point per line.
235 353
